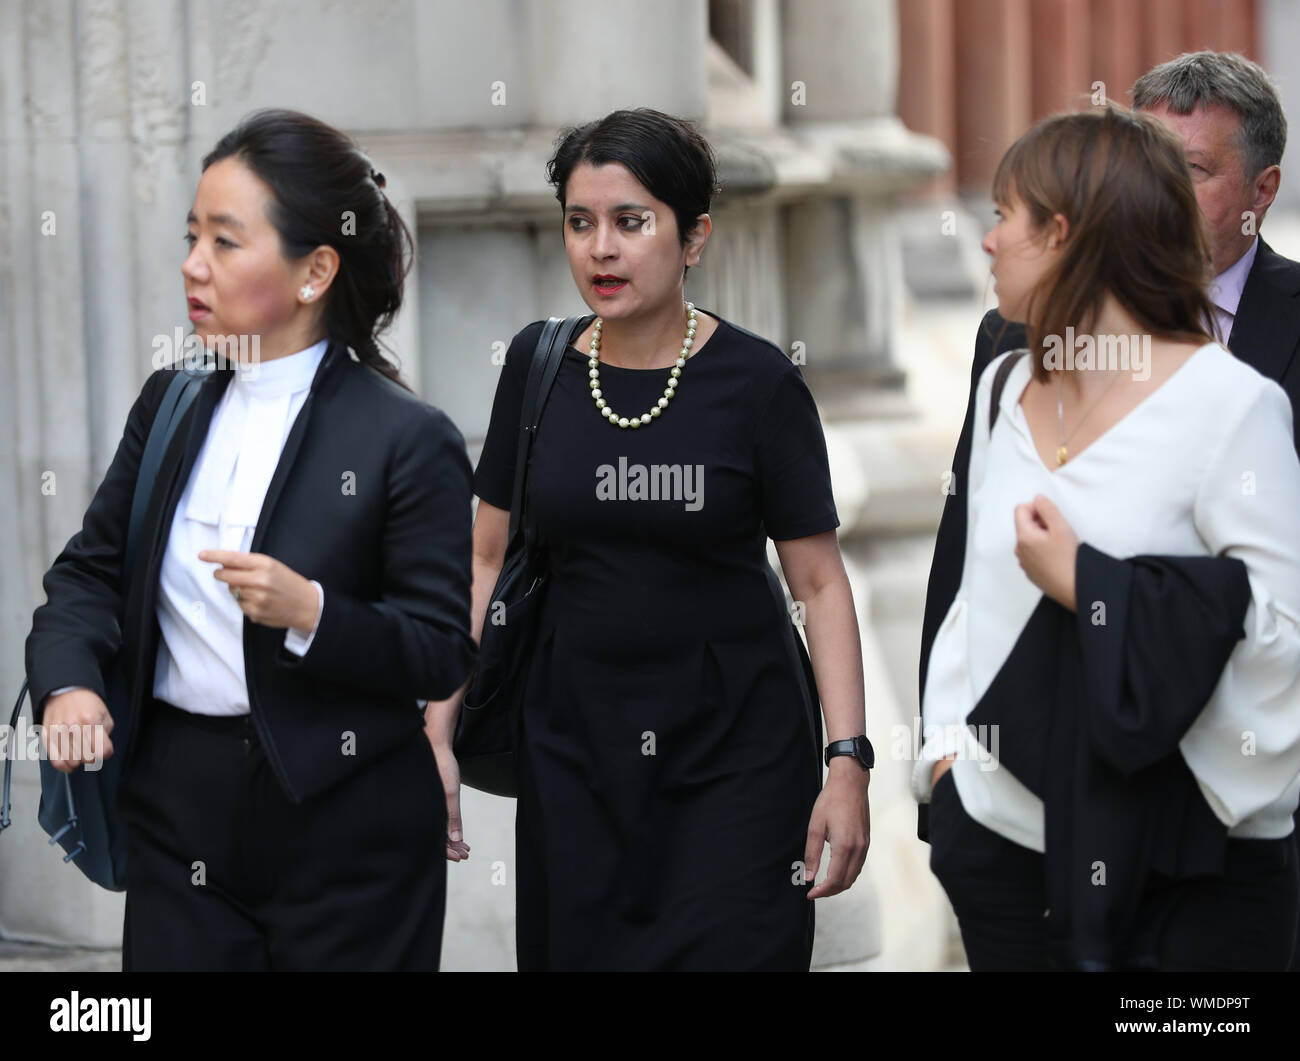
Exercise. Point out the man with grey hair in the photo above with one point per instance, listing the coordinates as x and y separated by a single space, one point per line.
1226 111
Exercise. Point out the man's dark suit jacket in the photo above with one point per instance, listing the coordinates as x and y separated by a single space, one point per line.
1265 334
371 498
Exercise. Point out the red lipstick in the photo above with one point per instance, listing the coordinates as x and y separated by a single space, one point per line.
608 284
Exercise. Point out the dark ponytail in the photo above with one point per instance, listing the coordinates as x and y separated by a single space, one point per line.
326 193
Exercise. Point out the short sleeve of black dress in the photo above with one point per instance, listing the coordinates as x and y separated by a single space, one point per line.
494 478
793 471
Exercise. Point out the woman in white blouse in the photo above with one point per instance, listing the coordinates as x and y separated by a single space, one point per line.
301 585
1125 433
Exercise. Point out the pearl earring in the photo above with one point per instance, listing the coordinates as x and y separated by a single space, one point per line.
307 292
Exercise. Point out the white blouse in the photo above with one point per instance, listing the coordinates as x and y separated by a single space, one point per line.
200 663
1203 466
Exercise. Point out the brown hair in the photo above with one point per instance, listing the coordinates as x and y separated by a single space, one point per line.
1136 231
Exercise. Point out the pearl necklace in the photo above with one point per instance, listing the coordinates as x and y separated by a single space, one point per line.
674 375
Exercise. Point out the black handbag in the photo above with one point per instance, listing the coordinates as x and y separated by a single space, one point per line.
487 730
79 810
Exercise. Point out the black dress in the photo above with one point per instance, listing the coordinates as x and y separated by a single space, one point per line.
671 750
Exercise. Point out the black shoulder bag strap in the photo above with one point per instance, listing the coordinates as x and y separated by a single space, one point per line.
179 396
547 358
1000 384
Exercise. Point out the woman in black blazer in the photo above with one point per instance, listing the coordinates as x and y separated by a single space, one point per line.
301 584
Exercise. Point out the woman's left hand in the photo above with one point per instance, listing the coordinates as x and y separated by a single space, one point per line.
1047 548
841 817
269 592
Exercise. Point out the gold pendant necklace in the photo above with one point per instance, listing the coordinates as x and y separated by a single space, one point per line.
1062 453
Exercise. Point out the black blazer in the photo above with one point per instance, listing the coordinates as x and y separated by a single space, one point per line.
1265 334
371 497
1266 329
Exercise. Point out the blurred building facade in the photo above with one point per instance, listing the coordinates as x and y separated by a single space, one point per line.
831 202
107 108
975 74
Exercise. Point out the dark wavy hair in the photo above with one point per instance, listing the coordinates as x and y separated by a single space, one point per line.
668 155
1136 232
315 174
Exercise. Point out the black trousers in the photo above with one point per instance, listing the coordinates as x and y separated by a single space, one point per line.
1295 954
225 872
1244 920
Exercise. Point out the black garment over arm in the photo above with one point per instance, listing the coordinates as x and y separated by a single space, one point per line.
1089 709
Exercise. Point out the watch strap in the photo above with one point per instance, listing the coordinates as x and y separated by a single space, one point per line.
865 756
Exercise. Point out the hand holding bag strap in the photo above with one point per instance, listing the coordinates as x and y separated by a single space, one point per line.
545 366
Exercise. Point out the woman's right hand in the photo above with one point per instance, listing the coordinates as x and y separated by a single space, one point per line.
449 771
940 768
84 710
439 728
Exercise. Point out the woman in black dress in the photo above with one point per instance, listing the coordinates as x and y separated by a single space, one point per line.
669 814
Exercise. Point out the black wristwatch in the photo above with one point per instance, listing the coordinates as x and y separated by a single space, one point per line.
858 747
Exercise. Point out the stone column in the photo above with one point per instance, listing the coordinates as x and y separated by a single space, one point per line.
590 57
1279 44
98 188
1062 62
843 262
1116 48
1164 31
46 412
940 237
1224 25
927 78
994 101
